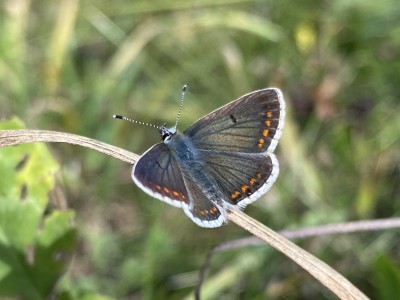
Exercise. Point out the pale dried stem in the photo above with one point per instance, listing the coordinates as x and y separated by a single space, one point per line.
22 136
339 285
322 272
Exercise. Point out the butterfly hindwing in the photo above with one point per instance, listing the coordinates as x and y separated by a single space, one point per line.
201 210
242 178
250 124
157 172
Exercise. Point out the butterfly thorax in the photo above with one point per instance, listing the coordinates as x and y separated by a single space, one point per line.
192 165
183 149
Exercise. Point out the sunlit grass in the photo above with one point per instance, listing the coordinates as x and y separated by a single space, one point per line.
71 65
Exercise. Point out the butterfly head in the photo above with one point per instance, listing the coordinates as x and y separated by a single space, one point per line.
167 133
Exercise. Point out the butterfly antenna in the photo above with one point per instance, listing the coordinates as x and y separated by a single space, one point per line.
181 105
134 121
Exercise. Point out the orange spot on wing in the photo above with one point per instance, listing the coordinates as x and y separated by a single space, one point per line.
253 181
244 188
260 143
208 211
235 195
166 190
269 114
158 187
268 123
265 132
175 193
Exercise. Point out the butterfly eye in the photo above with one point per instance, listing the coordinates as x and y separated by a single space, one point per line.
167 133
166 137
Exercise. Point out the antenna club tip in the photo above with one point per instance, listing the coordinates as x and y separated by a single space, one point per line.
118 117
184 87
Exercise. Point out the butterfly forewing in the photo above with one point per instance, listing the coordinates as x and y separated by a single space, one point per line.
250 124
157 172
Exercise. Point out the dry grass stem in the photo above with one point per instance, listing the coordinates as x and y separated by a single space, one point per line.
322 272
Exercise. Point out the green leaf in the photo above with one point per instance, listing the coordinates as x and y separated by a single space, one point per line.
54 243
27 175
387 278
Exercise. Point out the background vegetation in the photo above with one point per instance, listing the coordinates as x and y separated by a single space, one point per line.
70 65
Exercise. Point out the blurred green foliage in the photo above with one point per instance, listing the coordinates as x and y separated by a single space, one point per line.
70 65
32 241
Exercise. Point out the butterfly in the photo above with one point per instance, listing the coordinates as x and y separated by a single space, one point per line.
223 161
